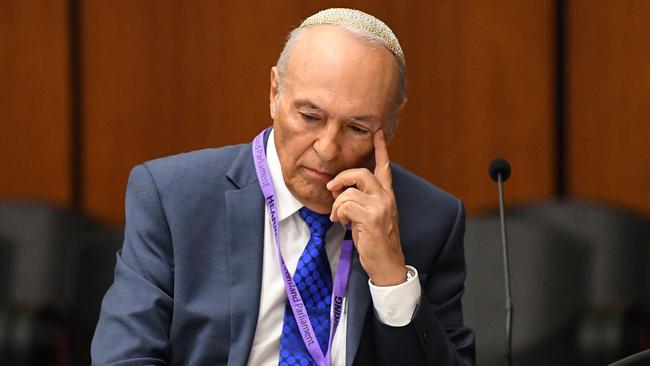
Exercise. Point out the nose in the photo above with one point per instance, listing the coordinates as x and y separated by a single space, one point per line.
327 144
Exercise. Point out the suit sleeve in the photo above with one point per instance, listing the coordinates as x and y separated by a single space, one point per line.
134 322
436 334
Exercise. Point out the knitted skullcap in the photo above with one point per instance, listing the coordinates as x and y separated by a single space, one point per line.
360 21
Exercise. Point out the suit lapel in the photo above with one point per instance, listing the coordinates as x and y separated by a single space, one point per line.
245 237
358 301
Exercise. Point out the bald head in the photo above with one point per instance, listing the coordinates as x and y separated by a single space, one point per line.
329 57
361 22
334 32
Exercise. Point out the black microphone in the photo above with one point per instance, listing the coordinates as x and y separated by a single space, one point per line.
499 171
499 166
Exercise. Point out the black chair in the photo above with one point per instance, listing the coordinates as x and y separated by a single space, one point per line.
44 241
579 272
6 260
549 270
620 241
619 282
6 270
60 267
638 359
94 275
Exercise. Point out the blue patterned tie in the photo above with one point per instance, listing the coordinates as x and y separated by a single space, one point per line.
313 277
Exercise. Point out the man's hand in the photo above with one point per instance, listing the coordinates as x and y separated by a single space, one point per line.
367 201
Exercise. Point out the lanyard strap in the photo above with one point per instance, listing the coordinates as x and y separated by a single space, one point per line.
293 295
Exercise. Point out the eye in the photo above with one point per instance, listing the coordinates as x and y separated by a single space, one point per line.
359 130
309 117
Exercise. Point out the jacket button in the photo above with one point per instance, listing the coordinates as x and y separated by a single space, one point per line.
425 337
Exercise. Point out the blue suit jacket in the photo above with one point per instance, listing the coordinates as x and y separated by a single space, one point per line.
187 280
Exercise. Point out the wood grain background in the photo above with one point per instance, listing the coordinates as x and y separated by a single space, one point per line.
34 101
158 78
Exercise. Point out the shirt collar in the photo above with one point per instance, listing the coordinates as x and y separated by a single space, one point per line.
287 204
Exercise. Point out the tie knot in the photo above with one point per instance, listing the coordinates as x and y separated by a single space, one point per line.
318 223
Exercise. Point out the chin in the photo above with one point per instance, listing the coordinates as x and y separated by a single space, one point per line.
318 200
320 208
323 207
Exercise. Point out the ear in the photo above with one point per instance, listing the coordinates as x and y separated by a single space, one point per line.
401 105
274 92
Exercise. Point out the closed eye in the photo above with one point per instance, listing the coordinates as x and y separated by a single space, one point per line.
309 117
359 130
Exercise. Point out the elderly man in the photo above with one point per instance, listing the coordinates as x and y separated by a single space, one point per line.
305 247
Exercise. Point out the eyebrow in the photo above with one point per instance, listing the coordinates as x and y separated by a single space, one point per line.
306 103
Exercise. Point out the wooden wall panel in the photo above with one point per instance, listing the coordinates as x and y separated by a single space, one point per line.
164 77
34 101
481 86
609 102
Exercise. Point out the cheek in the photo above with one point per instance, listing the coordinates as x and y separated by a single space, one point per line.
291 146
360 154
289 129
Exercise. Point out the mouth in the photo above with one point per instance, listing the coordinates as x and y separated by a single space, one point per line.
318 175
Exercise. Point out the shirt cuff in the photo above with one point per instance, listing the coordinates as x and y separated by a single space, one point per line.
395 305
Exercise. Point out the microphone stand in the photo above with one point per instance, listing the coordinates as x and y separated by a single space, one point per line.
506 274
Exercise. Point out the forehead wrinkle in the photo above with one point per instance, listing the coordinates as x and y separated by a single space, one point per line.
299 103
308 53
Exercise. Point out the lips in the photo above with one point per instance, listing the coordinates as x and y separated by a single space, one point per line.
320 175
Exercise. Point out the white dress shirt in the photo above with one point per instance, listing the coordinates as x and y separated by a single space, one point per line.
394 305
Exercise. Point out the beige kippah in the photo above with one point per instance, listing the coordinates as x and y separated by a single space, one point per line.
361 21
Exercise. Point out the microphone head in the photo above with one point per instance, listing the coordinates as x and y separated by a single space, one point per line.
499 166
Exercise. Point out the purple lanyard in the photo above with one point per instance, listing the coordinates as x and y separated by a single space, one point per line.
295 300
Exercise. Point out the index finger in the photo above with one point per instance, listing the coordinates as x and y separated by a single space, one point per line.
382 162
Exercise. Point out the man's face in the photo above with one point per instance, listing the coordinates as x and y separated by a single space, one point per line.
337 93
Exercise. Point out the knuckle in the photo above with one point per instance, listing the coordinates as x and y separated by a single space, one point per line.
343 208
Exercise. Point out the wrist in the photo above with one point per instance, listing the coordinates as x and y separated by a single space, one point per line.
390 278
